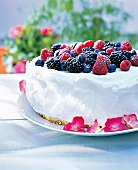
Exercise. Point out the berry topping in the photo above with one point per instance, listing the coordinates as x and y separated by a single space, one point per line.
134 60
99 44
89 43
134 52
111 68
101 57
63 46
39 63
81 57
87 68
55 47
110 50
45 53
126 46
54 63
78 48
65 56
125 65
73 65
100 67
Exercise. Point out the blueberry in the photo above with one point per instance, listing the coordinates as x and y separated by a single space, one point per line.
62 65
118 44
55 47
111 68
134 52
71 53
39 63
117 48
87 68
102 52
81 58
97 51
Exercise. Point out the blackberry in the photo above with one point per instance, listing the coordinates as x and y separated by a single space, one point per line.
108 45
117 57
73 65
127 54
90 54
86 49
53 63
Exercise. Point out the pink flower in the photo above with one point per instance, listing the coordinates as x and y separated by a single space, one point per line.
46 31
114 124
77 125
22 85
131 120
20 67
93 128
16 31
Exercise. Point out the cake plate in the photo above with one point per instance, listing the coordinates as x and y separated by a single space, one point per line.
29 113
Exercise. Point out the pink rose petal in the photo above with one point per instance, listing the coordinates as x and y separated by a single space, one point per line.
131 120
114 124
22 85
93 128
76 125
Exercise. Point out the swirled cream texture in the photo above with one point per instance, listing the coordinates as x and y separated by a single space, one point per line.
65 95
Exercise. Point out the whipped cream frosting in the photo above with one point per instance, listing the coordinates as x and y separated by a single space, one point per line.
65 95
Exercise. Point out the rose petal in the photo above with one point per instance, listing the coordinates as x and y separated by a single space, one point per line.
114 124
131 120
22 85
93 128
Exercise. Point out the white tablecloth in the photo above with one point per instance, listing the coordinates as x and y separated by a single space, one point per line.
24 145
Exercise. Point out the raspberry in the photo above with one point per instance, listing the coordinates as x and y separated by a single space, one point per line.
45 53
126 46
65 56
63 46
100 68
67 48
109 50
125 65
89 43
99 44
78 48
103 58
134 60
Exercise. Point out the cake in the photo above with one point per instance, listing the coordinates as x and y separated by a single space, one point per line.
95 80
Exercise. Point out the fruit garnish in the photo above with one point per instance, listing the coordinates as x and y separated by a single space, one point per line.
134 60
111 68
89 43
78 48
126 46
100 67
125 65
110 50
45 53
99 44
39 63
65 56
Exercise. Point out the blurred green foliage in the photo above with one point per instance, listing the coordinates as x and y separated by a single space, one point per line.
73 21
80 20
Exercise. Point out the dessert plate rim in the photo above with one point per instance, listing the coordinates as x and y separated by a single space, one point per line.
29 113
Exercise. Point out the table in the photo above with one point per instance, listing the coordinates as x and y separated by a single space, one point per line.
24 145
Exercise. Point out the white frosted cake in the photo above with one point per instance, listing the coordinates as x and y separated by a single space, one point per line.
64 94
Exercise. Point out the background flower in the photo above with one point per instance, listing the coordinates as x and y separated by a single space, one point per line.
16 31
20 67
